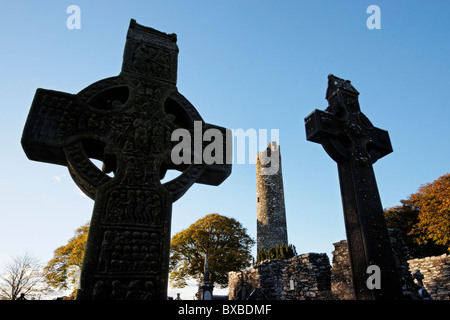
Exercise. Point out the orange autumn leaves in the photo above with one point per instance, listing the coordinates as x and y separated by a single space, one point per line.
433 203
424 218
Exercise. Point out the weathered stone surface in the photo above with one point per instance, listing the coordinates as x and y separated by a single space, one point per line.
271 212
127 122
436 272
341 273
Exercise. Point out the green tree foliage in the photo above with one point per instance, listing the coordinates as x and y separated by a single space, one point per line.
282 251
223 239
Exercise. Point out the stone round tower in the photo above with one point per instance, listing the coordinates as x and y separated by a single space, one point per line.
271 214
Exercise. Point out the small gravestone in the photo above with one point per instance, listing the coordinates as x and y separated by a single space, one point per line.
206 289
127 122
355 144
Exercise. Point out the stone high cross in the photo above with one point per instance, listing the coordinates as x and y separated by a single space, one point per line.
355 144
125 121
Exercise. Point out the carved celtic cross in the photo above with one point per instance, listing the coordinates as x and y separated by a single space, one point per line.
126 122
355 144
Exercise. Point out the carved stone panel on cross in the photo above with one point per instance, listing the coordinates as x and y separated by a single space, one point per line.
126 122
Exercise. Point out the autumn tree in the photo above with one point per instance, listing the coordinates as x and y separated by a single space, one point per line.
67 260
404 217
424 218
21 276
224 240
433 203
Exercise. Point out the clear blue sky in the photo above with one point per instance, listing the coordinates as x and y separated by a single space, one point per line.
243 64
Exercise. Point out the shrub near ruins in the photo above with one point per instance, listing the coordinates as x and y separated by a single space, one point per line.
282 251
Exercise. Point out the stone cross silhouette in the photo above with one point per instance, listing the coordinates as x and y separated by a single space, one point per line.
125 121
355 144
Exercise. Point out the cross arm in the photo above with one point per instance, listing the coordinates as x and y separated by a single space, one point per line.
51 134
322 127
340 138
42 137
378 145
215 173
210 174
204 172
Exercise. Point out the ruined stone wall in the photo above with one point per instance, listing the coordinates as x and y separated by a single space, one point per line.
341 273
303 277
341 278
310 277
307 277
436 272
